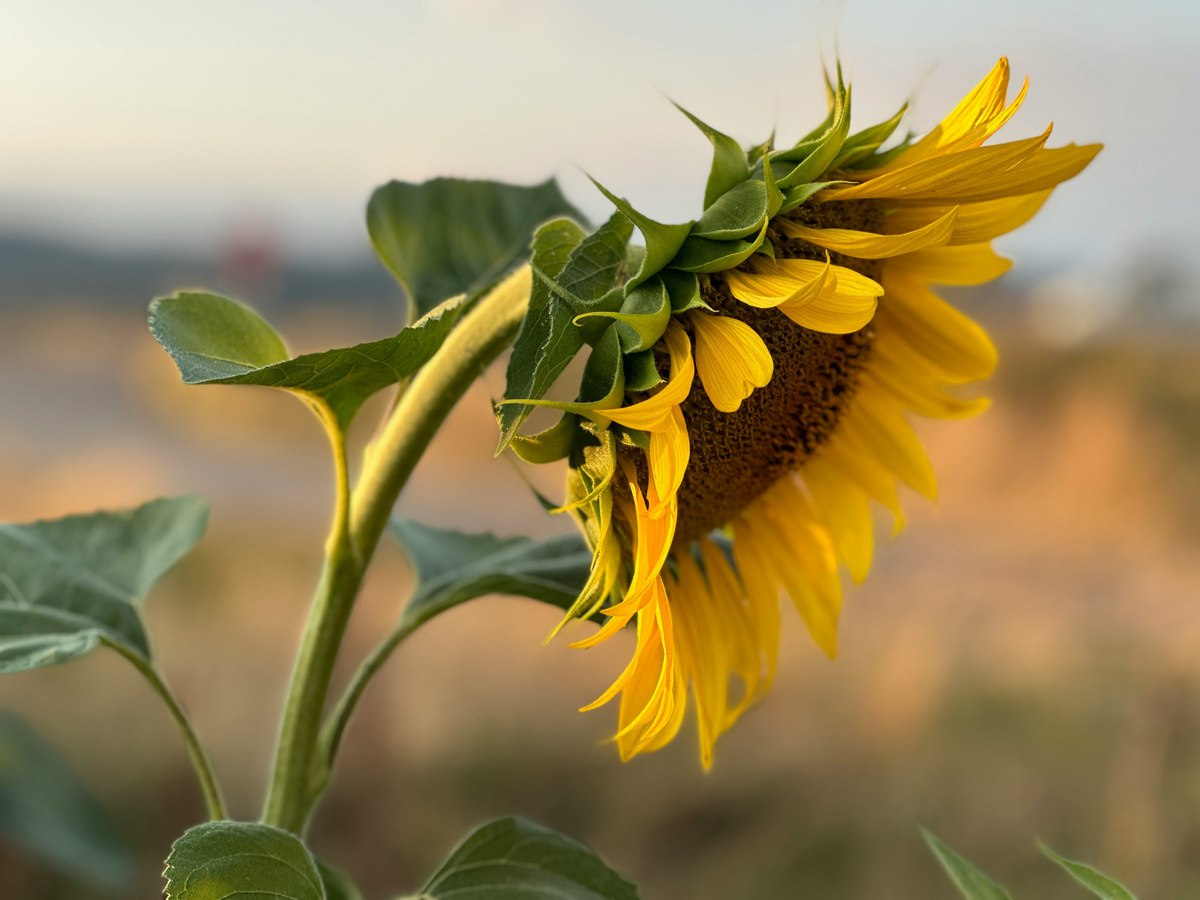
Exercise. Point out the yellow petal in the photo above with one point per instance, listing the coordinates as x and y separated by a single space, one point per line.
648 643
976 118
937 331
925 398
731 358
868 245
654 413
652 699
602 580
965 265
750 631
879 424
979 105
762 589
846 512
858 464
954 178
652 542
772 282
1045 170
976 222
701 651
817 295
846 306
793 562
667 459
985 180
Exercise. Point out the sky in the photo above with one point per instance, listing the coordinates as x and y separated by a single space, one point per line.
134 124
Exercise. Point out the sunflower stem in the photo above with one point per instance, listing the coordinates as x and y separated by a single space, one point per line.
295 781
301 769
485 331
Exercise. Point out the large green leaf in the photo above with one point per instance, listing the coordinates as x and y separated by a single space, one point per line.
453 567
215 340
971 882
449 236
231 860
49 813
511 859
1097 882
70 584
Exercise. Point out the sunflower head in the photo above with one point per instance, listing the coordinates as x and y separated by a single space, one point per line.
747 382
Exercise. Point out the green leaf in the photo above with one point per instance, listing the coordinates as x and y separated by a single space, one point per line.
662 241
338 885
48 812
70 584
730 166
453 567
1096 882
228 860
548 339
971 882
215 340
449 236
511 859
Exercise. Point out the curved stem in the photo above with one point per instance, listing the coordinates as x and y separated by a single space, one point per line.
295 782
484 332
200 761
300 772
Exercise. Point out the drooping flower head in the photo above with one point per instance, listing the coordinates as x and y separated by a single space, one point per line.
748 380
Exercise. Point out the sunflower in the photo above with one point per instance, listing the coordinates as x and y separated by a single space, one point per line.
748 382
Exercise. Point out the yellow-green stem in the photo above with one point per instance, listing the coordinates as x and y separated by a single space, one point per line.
301 772
484 332
295 781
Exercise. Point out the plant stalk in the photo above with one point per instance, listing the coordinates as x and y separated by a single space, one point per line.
301 771
295 782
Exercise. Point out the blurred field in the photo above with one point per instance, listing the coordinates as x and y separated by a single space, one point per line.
1022 663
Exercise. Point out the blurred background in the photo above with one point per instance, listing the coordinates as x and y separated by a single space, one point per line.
1023 661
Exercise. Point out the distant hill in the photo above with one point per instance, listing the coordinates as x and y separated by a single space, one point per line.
36 270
